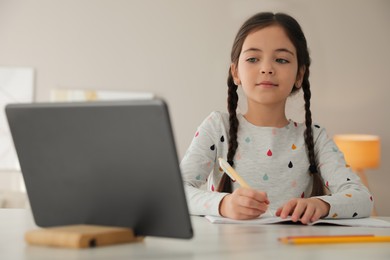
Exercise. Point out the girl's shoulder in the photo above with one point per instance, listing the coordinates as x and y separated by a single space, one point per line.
319 132
218 116
216 121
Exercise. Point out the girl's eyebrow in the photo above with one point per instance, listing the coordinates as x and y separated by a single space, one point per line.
277 50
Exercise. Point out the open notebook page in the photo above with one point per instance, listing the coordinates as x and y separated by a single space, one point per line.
270 218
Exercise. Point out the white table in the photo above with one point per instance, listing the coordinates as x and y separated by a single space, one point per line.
211 241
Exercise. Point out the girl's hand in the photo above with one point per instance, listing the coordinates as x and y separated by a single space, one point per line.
244 203
305 210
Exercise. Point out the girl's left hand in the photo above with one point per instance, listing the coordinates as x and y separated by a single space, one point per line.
306 210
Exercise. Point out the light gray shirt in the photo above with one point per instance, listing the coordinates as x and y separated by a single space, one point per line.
273 160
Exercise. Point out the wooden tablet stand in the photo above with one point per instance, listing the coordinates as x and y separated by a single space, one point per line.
80 236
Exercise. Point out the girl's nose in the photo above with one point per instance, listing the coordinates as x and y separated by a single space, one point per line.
267 71
267 68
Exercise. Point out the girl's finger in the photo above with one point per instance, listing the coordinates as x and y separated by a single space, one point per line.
288 208
308 213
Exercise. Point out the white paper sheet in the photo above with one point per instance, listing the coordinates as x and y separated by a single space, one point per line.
270 219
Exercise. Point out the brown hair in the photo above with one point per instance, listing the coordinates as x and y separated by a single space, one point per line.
296 36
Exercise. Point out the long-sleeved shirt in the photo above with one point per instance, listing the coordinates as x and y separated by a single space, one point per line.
273 160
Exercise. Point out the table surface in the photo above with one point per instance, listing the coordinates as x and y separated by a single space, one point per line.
211 241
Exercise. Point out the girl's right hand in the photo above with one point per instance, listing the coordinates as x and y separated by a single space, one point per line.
244 203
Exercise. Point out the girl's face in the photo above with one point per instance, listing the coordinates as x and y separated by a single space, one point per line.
267 68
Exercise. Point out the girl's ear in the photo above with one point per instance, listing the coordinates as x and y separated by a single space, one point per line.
234 72
300 74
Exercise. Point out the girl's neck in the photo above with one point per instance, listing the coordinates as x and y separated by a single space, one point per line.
267 116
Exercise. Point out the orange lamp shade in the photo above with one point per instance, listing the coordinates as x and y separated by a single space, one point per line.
360 151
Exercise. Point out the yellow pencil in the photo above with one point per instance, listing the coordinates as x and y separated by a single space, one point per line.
232 173
334 239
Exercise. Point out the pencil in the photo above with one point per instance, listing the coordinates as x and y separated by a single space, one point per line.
334 239
320 236
232 173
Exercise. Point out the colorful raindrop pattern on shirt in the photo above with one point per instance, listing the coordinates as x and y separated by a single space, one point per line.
269 153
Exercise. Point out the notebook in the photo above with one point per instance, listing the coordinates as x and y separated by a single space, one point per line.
111 163
270 218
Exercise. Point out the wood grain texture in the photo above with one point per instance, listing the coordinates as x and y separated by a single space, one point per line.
80 236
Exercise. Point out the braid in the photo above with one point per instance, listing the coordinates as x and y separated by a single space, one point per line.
225 184
297 37
309 140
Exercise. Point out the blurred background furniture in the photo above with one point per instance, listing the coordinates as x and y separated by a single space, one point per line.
361 152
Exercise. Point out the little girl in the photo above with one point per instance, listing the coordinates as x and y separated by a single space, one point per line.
293 168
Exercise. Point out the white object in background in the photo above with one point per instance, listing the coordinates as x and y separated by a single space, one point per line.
16 86
74 95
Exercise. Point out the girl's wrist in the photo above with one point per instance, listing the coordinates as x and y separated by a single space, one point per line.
222 204
325 207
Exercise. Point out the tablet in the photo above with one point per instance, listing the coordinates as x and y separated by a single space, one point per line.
103 163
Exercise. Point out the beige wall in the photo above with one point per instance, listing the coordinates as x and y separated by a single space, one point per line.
180 51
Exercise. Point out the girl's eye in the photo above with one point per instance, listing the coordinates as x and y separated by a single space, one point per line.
282 61
252 60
